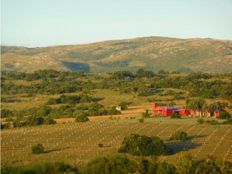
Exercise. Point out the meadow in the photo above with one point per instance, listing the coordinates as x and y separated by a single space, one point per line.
77 143
64 96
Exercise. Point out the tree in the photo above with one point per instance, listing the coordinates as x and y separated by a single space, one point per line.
142 73
49 120
207 166
6 113
110 165
142 145
216 106
165 168
120 75
179 135
224 115
34 120
123 105
186 165
96 109
197 105
82 117
43 111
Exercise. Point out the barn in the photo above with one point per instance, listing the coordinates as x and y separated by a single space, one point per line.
168 110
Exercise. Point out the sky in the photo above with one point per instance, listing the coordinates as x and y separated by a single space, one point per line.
38 23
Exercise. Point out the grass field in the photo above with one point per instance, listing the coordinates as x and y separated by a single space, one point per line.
78 142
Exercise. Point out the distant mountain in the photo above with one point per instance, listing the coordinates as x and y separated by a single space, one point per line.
151 53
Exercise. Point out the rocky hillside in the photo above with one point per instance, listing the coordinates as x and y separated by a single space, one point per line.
152 53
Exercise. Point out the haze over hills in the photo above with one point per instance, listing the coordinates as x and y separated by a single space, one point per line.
151 53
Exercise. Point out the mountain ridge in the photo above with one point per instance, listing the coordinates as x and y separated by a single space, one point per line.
152 53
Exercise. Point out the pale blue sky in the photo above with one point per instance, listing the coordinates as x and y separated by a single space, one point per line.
57 22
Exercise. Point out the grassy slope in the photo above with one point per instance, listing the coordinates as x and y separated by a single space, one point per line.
154 53
78 143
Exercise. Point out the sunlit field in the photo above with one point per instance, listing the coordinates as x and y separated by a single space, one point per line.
79 142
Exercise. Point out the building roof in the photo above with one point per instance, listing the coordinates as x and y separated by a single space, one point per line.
167 107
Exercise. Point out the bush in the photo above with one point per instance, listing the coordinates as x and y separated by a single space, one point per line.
228 121
224 115
49 120
123 105
165 168
34 121
83 117
142 145
179 135
200 120
112 111
37 149
43 111
96 109
212 122
146 114
6 113
141 120
207 166
5 125
175 115
100 145
45 168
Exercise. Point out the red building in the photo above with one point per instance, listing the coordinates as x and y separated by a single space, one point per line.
168 110
184 112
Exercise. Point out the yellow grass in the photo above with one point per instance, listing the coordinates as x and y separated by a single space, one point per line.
78 142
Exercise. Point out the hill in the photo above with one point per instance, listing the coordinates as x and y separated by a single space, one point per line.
152 53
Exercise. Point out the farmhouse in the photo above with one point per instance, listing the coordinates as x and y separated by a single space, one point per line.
168 110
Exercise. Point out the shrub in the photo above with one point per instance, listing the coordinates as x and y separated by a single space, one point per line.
113 111
37 149
186 165
179 135
224 115
45 168
207 166
83 117
142 145
100 145
5 125
123 105
146 114
42 111
96 109
6 113
49 120
165 168
200 120
212 122
228 121
53 101
33 121
175 115
141 120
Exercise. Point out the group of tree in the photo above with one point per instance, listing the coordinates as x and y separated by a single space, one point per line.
72 99
45 114
32 121
200 105
120 164
141 82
